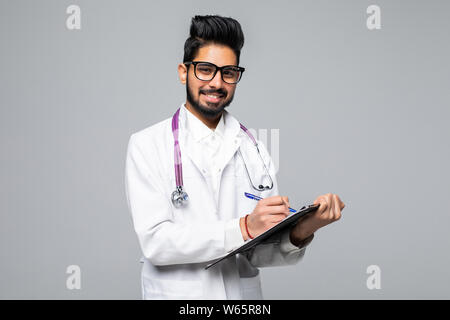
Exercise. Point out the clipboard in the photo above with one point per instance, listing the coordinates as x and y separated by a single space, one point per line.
290 220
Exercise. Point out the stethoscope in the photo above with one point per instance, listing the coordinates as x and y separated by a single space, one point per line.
179 196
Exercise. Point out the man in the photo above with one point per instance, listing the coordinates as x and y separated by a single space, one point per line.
215 162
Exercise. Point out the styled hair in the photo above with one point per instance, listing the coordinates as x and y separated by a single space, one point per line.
213 29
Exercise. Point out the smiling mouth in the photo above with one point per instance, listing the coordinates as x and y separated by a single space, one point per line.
213 97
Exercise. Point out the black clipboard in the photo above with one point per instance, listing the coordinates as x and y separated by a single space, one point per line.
290 220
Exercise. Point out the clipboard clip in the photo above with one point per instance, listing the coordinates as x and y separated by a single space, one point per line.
309 206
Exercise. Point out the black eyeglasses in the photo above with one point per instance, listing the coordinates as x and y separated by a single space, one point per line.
206 71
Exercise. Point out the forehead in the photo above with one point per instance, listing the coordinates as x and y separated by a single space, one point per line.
218 54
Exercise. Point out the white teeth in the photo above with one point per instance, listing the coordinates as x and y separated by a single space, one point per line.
211 96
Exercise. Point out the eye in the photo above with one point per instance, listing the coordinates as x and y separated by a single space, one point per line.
230 73
205 69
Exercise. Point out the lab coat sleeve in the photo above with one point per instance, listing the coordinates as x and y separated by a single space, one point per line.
162 241
277 250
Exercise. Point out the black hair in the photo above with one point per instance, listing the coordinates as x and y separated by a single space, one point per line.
211 29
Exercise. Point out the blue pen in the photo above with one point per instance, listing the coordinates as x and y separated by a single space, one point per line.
252 196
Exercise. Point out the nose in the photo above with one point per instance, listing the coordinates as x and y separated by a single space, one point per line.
217 81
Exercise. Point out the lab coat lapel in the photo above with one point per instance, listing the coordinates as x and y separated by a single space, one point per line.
189 146
195 153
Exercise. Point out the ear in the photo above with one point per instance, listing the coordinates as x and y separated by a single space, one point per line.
182 72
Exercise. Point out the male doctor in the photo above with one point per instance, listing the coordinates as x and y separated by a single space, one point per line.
203 148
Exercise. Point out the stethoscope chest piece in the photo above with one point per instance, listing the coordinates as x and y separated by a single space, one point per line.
179 197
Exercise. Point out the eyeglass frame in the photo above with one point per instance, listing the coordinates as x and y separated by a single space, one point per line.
194 63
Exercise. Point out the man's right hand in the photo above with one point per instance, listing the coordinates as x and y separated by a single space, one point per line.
267 213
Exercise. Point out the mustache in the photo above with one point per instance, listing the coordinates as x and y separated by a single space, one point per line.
221 92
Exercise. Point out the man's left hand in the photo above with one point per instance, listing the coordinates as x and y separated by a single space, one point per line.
329 211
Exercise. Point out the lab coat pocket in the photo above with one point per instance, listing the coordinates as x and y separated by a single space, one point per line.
172 289
251 288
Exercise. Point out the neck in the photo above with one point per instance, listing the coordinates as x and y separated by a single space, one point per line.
210 122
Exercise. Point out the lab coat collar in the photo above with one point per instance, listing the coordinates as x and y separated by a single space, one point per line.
231 131
228 127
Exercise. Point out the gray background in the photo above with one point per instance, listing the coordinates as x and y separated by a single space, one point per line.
361 113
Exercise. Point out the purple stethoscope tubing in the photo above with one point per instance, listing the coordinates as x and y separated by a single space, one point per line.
179 196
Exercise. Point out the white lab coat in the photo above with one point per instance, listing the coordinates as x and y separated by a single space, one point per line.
177 243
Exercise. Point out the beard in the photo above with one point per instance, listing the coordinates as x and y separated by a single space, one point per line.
211 110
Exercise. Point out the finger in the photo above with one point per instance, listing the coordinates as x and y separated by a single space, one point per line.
329 199
334 208
286 203
272 201
337 208
323 206
273 210
286 200
330 214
